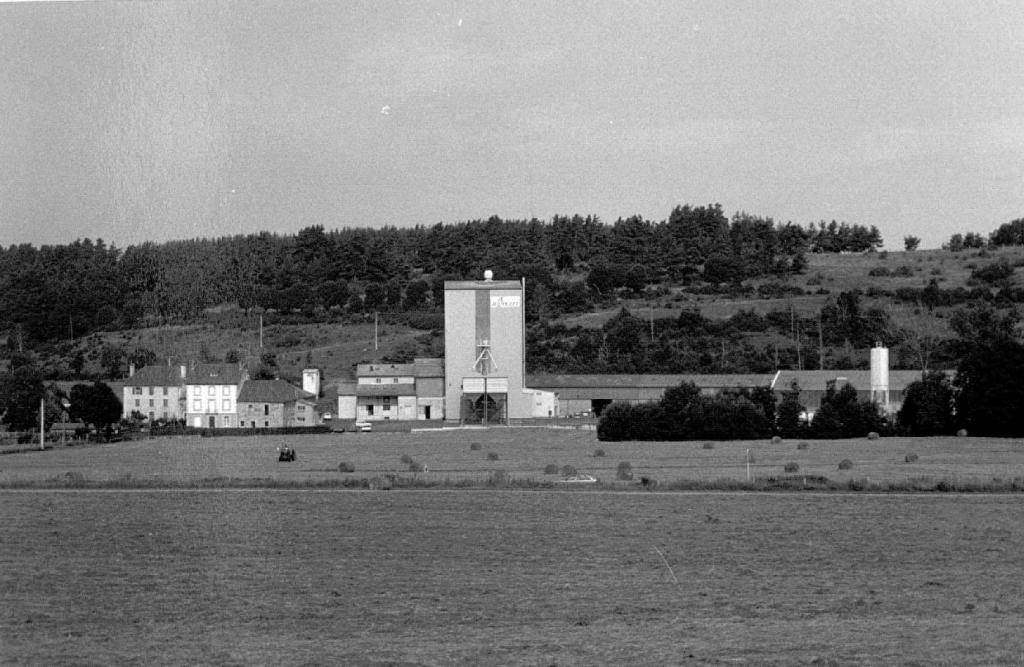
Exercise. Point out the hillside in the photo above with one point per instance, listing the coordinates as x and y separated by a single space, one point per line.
336 345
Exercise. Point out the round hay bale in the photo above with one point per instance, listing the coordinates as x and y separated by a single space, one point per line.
776 439
845 464
962 433
873 435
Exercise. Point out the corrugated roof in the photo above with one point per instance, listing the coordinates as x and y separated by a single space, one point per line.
214 374
860 379
271 391
156 376
552 381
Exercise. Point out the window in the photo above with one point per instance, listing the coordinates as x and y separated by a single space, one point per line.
151 391
151 402
151 416
197 405
136 391
165 402
369 409
211 406
266 423
377 380
394 380
225 390
165 391
387 407
301 408
211 390
266 409
227 420
137 402
226 404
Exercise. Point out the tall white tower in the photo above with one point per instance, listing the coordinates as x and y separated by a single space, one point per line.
311 380
880 376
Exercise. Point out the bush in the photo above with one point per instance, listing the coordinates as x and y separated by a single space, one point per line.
406 458
551 469
417 467
803 445
845 464
568 470
474 447
792 466
708 445
492 456
598 453
624 471
910 458
498 478
345 466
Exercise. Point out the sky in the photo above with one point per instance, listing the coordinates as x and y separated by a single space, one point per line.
154 121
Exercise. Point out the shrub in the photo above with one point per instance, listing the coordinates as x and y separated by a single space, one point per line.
474 447
568 470
792 466
803 445
345 466
598 453
708 445
910 458
498 478
624 471
551 469
492 456
417 467
845 464
406 458
873 435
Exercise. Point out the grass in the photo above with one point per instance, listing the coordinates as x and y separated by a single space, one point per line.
181 462
299 577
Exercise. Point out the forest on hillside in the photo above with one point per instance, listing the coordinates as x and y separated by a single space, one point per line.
61 292
56 296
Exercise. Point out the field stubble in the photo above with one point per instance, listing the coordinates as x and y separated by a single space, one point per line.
506 577
523 453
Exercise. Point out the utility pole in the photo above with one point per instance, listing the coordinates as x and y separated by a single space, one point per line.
42 422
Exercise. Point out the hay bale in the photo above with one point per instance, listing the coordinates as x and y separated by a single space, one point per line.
845 464
345 466
873 435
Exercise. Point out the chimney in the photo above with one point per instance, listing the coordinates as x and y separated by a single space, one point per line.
131 370
184 371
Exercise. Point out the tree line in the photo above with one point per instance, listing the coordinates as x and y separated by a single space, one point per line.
62 292
982 398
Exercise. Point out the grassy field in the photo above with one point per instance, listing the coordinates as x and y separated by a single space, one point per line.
523 453
426 577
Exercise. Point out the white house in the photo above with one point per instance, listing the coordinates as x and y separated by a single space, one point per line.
212 395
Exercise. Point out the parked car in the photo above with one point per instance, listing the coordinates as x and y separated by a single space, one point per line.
364 426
